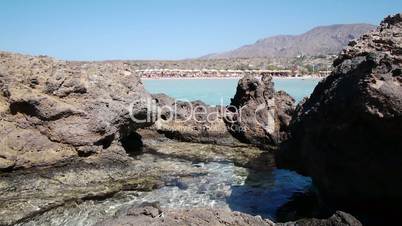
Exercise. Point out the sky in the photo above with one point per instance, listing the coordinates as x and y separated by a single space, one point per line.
167 29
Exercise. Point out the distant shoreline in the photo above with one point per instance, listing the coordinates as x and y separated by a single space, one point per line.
224 78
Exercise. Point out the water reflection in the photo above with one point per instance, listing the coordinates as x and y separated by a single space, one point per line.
263 193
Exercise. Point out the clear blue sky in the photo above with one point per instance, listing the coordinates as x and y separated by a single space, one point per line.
167 29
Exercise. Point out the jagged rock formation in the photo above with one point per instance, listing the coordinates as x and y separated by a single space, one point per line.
339 218
348 135
67 137
192 121
65 133
259 115
321 40
54 110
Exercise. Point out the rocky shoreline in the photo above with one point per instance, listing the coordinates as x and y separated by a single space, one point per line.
68 138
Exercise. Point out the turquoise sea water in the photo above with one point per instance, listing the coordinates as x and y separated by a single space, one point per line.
219 91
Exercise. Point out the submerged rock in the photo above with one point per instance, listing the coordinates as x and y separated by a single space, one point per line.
259 115
348 135
31 192
241 155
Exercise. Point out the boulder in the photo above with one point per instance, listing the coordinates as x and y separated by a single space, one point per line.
348 135
259 115
192 121
53 110
66 132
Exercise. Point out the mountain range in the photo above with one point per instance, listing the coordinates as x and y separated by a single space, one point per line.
322 40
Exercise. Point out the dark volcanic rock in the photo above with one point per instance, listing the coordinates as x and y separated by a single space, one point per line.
338 219
348 135
259 115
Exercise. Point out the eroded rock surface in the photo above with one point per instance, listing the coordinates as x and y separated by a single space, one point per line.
53 110
192 121
339 218
31 192
66 133
348 135
259 115
153 215
242 155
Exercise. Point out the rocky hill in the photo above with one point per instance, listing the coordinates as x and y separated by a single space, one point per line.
321 40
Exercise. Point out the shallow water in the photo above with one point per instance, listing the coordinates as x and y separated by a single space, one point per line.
223 185
219 91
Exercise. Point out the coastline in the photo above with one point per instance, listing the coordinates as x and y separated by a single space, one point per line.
224 78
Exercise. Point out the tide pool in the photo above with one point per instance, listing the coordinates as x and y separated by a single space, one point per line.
219 91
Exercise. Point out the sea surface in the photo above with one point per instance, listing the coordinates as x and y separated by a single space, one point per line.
219 91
